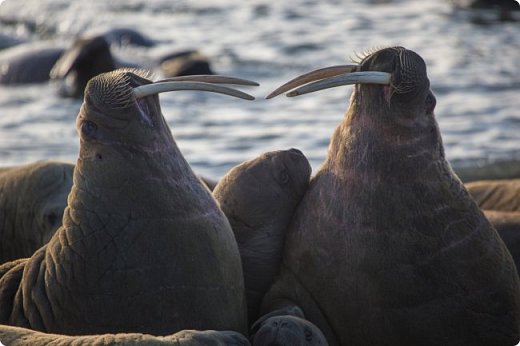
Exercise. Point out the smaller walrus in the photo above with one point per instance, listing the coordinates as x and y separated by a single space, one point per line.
32 200
503 195
259 198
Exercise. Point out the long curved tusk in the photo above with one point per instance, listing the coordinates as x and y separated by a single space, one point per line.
321 73
365 77
155 88
217 79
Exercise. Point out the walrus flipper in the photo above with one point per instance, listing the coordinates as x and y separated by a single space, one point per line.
16 336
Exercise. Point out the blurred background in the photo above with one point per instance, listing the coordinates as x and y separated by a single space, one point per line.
472 54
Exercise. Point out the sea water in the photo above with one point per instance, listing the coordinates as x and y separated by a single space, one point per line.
474 72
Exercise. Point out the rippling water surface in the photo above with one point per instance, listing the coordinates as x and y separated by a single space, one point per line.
473 69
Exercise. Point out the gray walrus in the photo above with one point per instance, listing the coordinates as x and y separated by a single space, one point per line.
259 198
144 247
503 195
32 200
387 247
84 59
39 62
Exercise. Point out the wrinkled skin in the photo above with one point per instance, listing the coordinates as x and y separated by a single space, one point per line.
503 195
32 200
387 247
143 248
259 198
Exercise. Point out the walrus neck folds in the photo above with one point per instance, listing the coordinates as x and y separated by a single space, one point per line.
374 144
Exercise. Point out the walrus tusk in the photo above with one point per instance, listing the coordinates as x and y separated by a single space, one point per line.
366 77
159 87
312 76
217 79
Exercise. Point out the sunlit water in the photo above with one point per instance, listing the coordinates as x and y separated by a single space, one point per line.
474 72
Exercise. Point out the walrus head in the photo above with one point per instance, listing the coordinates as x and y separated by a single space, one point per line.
392 103
121 109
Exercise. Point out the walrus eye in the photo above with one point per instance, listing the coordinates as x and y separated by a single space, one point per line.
308 334
283 176
88 127
51 219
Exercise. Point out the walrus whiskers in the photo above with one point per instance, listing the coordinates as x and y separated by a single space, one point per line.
200 82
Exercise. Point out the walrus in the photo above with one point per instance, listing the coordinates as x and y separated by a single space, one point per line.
185 63
507 224
387 247
144 247
500 170
32 199
42 61
16 336
502 195
259 197
28 63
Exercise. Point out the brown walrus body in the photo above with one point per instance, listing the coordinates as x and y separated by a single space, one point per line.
259 198
143 248
32 200
387 247
503 195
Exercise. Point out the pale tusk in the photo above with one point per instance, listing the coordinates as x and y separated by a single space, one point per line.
217 79
321 73
155 88
366 77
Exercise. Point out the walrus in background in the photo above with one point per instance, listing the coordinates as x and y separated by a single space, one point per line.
144 247
32 200
185 63
37 63
259 198
500 201
387 247
502 195
87 57
28 63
